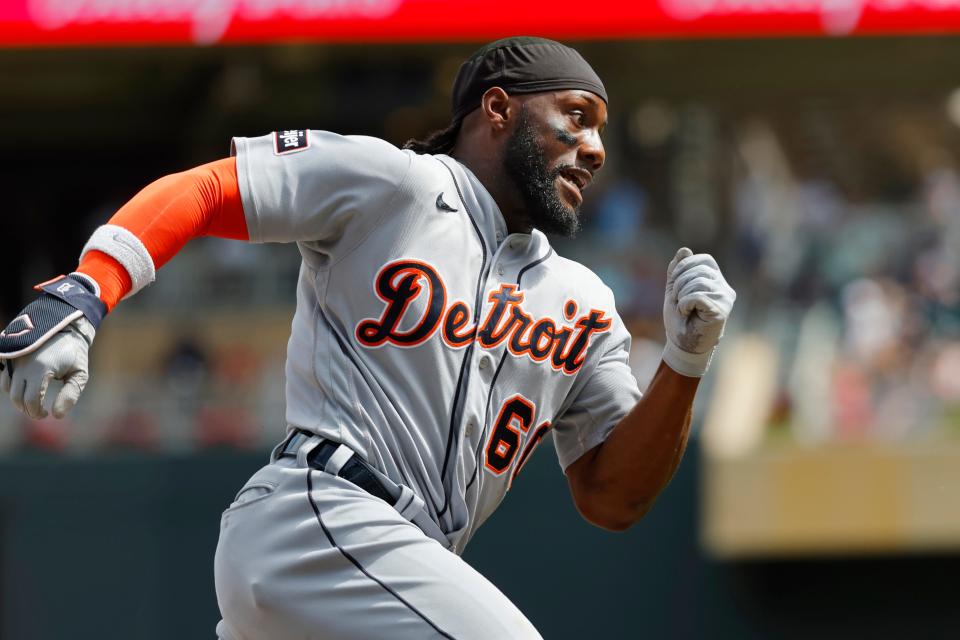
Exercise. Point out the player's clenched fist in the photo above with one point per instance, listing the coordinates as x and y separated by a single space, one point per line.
50 340
696 304
64 358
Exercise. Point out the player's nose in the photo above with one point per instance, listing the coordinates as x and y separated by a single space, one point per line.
592 154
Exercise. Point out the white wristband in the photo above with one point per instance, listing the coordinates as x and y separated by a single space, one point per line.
693 365
127 249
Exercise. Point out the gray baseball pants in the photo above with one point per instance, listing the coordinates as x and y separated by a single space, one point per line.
304 554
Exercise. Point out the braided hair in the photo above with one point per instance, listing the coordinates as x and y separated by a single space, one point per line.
440 141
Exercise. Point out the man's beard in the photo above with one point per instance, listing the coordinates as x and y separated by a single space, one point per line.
526 165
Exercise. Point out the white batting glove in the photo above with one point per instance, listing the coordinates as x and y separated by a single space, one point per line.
64 357
696 305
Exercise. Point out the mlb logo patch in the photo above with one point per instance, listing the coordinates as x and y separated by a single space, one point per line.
290 140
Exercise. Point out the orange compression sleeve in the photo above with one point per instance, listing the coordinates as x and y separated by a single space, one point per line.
168 213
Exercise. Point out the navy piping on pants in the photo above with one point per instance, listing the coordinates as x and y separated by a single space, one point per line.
359 566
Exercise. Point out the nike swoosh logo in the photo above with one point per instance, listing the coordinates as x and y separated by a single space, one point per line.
119 239
443 205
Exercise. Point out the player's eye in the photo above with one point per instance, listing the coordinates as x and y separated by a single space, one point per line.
579 117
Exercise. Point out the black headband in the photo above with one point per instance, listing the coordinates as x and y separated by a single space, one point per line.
521 65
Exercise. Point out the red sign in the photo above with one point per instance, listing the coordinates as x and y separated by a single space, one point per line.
118 22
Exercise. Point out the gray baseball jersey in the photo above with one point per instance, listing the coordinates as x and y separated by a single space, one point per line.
433 343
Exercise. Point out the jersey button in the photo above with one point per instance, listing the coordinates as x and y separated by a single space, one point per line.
469 430
485 361
499 269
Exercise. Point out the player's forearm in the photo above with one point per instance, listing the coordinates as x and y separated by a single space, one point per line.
622 477
155 224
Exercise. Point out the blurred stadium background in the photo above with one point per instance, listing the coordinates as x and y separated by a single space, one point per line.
814 148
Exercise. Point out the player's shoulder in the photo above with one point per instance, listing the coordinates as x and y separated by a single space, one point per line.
581 281
420 168
321 146
430 167
369 143
356 157
357 147
576 273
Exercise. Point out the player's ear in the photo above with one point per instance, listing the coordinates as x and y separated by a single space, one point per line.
497 108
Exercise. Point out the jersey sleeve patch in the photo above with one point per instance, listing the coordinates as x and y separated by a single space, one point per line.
290 140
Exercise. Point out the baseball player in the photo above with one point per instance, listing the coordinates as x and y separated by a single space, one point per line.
437 339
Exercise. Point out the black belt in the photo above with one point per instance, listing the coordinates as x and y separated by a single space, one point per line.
356 470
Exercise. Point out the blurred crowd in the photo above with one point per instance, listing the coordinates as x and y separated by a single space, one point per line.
846 265
853 284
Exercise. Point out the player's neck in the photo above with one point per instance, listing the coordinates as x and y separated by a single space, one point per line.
489 171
